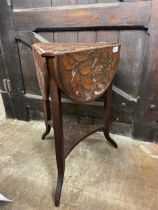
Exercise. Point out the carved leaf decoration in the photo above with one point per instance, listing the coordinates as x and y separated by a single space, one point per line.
87 74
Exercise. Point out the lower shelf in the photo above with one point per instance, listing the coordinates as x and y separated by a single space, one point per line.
73 134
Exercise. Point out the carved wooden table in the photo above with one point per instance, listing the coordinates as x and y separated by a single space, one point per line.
83 72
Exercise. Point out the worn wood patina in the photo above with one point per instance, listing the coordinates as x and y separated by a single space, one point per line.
83 72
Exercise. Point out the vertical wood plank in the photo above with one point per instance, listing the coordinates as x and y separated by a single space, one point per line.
63 2
87 1
67 36
147 125
28 69
134 0
12 60
107 36
86 36
3 70
22 4
47 35
131 61
9 46
107 1
64 36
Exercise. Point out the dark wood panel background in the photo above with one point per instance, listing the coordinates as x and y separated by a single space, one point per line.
22 4
132 33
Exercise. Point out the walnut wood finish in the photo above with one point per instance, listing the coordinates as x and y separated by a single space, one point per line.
58 136
84 72
42 74
107 115
70 137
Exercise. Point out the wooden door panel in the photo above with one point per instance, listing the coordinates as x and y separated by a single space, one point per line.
121 113
131 61
63 2
107 36
147 122
116 15
87 1
3 71
107 1
126 22
139 19
67 36
15 97
23 4
47 35
28 69
86 36
135 0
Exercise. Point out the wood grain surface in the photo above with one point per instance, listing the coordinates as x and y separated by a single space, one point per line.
133 14
82 71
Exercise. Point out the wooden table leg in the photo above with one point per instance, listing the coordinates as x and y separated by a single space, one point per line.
47 117
107 115
58 135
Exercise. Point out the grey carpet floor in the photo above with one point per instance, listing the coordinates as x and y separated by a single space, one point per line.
97 177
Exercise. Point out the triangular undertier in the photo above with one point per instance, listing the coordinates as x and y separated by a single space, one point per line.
73 134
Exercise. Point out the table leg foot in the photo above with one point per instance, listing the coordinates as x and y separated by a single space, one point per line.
109 139
58 189
48 128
